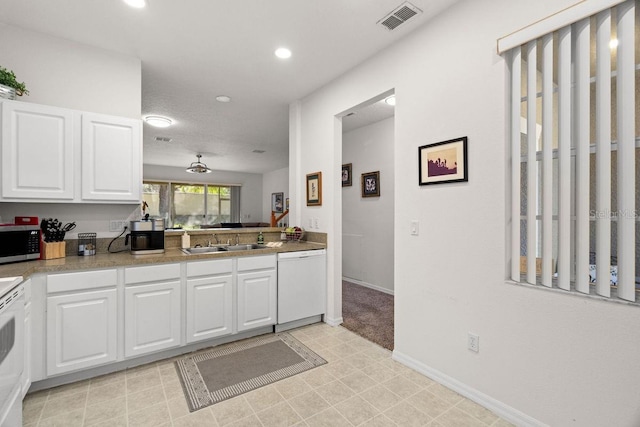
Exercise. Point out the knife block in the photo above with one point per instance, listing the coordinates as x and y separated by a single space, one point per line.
53 250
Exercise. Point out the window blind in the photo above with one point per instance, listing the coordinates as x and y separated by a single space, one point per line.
574 211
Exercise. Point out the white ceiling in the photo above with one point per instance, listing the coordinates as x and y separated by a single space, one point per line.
195 50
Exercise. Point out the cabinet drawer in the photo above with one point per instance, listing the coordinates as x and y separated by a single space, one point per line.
81 280
209 268
256 262
151 273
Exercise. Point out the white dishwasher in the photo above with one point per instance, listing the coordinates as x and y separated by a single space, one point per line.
302 288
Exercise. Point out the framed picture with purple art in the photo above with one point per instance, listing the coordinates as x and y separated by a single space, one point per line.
443 162
370 184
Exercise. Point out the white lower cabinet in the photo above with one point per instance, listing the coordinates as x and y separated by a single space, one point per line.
209 307
152 314
257 292
89 318
81 330
209 299
151 318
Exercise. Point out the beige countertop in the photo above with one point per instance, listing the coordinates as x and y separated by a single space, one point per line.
107 260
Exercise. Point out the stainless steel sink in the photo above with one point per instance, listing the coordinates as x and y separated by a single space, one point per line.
202 250
243 247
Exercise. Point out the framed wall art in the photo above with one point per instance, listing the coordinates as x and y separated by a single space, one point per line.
277 202
443 162
370 184
314 189
346 175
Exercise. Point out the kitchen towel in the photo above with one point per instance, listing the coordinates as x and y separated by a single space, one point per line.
232 369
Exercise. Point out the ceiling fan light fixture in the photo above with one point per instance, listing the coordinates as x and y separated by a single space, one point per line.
198 167
158 121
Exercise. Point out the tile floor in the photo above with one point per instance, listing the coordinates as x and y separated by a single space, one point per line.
360 386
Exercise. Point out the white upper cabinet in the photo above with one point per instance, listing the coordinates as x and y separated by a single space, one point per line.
38 144
111 158
52 154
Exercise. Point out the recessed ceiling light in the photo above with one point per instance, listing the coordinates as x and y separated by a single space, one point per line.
283 53
223 98
158 121
391 100
138 4
613 43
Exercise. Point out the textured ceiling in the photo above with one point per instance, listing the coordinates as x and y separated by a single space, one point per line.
194 50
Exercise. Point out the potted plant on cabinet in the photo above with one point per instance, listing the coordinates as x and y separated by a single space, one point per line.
10 86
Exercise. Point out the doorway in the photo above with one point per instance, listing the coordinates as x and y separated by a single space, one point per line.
368 219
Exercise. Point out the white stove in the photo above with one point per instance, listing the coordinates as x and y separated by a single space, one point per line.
11 350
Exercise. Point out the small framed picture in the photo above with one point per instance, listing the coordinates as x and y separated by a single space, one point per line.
443 162
314 189
277 202
287 203
371 184
346 175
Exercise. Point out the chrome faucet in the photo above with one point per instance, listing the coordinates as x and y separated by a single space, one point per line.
214 238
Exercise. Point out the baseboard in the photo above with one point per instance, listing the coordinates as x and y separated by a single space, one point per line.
333 322
298 323
504 411
368 285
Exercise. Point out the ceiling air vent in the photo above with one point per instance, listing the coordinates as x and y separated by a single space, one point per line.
258 151
399 16
163 139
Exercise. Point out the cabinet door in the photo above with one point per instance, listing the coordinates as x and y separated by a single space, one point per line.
37 152
151 317
81 330
209 305
111 158
257 305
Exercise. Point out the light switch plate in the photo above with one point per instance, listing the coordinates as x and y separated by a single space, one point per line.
415 228
316 223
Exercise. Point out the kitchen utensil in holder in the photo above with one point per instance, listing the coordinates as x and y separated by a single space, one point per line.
87 244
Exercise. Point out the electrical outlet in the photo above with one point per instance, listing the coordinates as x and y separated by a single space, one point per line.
473 342
117 225
310 222
316 223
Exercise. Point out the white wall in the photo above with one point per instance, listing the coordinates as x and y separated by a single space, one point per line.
545 357
274 182
367 222
67 74
250 193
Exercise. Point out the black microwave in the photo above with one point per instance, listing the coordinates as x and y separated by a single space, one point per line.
19 243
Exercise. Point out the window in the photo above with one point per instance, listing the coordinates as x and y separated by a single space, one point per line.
575 152
192 205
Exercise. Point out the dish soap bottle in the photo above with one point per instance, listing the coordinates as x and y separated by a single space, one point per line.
186 241
260 238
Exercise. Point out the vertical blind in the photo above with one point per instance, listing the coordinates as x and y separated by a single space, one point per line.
574 148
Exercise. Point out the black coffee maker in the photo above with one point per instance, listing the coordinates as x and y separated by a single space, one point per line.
147 236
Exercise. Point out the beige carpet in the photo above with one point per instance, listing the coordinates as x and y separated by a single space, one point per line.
232 369
368 313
